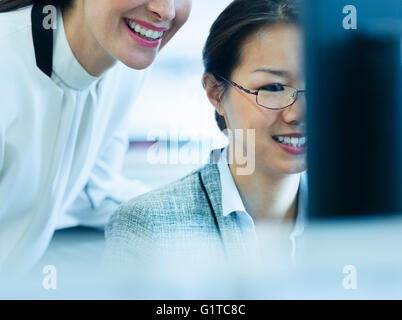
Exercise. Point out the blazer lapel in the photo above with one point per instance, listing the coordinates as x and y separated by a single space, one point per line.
228 228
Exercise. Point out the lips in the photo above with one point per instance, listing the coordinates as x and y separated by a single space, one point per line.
147 25
294 143
144 33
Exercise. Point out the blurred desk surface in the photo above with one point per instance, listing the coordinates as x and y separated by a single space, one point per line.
372 246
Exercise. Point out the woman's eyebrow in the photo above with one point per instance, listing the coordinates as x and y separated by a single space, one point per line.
280 73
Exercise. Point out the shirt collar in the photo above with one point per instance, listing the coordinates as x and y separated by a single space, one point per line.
301 207
232 202
65 66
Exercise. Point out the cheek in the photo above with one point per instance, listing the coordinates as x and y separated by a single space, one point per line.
106 14
183 9
266 120
101 18
264 124
260 120
243 113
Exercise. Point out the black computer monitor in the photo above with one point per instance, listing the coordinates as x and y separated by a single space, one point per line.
354 107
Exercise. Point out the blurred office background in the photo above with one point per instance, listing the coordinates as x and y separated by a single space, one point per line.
173 106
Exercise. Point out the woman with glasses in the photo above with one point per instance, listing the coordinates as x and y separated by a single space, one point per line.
254 79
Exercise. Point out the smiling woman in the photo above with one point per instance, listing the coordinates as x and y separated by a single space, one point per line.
101 31
63 136
253 50
98 30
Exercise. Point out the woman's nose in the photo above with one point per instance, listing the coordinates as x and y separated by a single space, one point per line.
163 10
296 113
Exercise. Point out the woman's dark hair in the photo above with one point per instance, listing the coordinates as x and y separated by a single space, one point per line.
240 20
10 5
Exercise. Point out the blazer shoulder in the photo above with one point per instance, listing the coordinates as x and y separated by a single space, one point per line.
175 219
186 190
171 207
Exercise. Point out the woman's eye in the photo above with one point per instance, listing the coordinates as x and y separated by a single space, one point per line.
274 87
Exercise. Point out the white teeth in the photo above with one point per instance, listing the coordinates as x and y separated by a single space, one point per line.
148 33
293 141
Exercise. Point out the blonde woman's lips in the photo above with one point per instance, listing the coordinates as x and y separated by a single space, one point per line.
144 33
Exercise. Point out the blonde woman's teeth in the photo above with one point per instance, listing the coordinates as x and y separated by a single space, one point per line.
144 32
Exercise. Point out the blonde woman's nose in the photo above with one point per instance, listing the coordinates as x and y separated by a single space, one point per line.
164 10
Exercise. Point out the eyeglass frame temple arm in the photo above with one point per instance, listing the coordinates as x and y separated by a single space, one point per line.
239 86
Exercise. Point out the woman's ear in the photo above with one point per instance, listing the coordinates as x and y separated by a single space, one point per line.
214 92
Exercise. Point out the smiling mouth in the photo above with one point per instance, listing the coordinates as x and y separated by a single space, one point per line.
291 141
143 32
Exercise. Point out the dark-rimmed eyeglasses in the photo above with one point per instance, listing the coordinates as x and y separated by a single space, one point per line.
273 96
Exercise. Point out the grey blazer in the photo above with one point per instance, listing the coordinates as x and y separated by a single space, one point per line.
173 217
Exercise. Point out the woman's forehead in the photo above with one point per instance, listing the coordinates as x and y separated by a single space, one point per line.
277 47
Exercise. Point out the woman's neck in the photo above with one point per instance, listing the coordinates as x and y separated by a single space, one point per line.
92 57
268 196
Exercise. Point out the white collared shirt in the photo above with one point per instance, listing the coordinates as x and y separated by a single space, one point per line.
232 203
62 141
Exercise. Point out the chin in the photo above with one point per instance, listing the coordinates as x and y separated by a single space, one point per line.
294 168
285 167
138 66
138 62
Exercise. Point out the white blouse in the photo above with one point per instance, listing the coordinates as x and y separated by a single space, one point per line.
62 141
232 203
